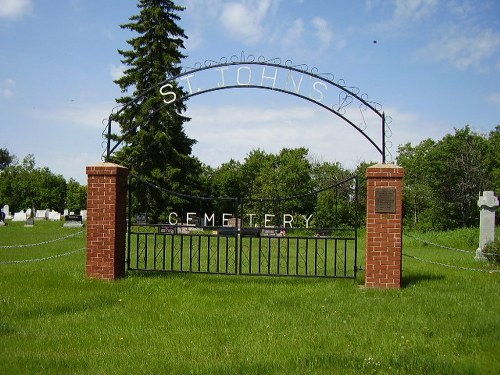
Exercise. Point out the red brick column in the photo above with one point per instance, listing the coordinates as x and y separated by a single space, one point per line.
106 220
384 226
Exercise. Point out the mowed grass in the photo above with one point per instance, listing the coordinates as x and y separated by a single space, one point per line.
53 320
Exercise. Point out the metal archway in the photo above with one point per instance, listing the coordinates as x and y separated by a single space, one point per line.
237 72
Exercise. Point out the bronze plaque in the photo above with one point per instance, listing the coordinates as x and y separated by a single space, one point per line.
385 201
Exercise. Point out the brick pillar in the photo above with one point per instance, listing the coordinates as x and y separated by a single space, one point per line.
106 220
384 226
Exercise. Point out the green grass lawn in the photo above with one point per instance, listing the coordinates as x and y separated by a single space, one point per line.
53 320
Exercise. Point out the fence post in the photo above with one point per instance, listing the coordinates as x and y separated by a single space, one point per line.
384 226
106 220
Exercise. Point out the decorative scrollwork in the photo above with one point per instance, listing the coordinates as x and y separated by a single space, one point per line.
350 98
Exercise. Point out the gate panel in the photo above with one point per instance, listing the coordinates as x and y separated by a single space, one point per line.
249 240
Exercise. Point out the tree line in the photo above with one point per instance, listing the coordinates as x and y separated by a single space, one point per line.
442 182
444 178
23 185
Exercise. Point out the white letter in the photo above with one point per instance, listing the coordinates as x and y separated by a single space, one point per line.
267 219
170 218
307 219
251 218
285 222
163 93
225 219
266 77
222 76
189 218
209 219
188 82
249 76
317 83
295 87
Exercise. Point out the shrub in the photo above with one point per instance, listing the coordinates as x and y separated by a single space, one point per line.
492 251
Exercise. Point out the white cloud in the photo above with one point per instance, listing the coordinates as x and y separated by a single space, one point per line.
225 132
323 31
294 32
413 9
78 114
464 48
117 71
7 88
15 9
494 98
244 20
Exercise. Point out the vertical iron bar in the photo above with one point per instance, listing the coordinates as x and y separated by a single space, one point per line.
307 256
326 256
191 253
287 255
208 256
297 248
238 244
164 265
356 223
383 137
345 257
108 146
172 253
199 252
315 257
278 255
181 252
260 253
335 258
129 224
145 251
154 251
269 255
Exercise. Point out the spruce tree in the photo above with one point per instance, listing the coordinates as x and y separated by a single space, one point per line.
156 147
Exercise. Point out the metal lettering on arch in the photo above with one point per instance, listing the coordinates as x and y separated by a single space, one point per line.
248 71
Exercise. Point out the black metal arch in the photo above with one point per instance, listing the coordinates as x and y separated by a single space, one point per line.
346 96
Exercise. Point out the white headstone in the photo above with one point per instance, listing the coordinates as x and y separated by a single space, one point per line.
19 216
6 211
84 214
66 212
40 214
54 216
488 204
28 213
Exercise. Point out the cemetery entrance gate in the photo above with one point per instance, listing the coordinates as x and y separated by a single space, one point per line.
249 236
274 242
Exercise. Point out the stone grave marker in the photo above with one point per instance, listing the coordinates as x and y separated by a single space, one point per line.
72 221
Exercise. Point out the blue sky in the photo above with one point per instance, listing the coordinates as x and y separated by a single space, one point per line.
435 66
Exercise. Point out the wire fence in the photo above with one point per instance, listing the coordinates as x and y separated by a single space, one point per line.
446 264
42 259
40 243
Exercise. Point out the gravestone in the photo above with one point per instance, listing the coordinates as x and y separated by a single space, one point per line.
488 204
84 214
2 219
73 221
41 214
6 211
54 216
141 219
30 221
19 216
28 213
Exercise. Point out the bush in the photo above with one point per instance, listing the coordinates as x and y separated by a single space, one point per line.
492 251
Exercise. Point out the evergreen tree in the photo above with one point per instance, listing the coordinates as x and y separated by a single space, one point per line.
155 145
